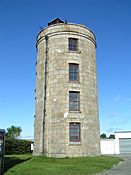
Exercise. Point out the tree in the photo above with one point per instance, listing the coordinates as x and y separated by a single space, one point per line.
13 132
103 136
112 136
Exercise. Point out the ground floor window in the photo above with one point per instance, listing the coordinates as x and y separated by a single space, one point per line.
74 132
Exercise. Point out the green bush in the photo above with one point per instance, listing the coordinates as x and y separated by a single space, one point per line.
14 146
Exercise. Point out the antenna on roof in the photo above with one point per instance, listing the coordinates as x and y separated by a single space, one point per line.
66 21
41 28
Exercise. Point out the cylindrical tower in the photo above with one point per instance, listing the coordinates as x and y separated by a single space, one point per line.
66 117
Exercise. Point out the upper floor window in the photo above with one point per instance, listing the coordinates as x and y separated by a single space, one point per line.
73 44
74 101
74 72
74 132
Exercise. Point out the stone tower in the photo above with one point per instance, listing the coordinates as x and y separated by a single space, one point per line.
66 115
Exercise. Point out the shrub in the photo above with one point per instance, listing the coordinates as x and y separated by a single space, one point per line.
14 146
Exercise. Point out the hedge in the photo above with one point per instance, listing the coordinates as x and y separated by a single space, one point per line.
15 146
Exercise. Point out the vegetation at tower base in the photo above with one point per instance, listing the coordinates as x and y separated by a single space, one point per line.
15 146
28 165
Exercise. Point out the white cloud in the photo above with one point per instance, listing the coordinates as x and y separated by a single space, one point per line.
117 98
112 130
113 122
124 122
113 115
128 99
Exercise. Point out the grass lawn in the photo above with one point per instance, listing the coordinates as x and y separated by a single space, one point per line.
28 165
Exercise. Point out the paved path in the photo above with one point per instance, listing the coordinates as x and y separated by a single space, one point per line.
123 168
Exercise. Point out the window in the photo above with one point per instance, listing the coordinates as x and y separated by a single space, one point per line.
73 44
74 100
74 132
73 72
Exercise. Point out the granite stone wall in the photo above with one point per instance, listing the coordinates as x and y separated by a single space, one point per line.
55 131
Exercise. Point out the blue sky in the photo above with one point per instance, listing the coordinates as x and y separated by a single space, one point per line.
20 22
